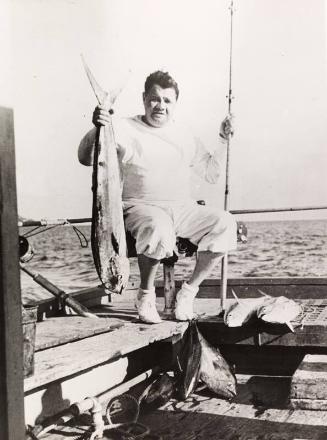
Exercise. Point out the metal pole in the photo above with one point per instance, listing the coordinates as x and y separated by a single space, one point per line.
224 262
58 293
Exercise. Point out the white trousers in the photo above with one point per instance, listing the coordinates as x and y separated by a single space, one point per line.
156 226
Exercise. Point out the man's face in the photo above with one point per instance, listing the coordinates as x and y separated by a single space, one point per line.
159 105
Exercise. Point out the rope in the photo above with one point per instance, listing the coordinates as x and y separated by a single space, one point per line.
81 237
84 242
29 233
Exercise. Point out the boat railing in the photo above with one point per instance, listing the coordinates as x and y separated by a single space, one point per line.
70 221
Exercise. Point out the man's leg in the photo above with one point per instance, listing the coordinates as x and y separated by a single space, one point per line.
148 270
205 263
146 297
152 227
215 233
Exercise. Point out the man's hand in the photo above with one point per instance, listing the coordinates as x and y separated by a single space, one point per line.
101 116
226 127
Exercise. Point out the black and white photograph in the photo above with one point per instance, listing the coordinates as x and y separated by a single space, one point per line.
163 220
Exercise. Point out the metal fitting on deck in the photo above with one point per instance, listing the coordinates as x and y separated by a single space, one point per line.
93 405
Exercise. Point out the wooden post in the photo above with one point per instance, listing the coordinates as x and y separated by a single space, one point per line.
169 289
12 424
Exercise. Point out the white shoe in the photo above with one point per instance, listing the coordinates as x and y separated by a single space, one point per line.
145 304
184 303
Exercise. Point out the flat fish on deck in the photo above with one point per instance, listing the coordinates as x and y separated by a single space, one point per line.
108 237
241 312
280 310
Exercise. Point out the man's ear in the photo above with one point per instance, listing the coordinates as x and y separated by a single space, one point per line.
143 95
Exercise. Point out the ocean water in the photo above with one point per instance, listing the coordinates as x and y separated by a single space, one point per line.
275 248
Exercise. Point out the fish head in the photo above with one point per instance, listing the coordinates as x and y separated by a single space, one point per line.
266 307
118 274
228 381
221 380
230 390
274 309
234 316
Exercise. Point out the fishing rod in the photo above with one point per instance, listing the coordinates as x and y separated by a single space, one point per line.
224 262
265 210
60 294
71 221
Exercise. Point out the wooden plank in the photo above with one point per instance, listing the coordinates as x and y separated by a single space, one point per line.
245 287
263 281
11 343
310 404
73 358
310 380
54 397
60 330
292 287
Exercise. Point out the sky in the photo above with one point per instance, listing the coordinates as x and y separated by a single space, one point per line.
278 153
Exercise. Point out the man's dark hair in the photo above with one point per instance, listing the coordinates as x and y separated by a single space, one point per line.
162 79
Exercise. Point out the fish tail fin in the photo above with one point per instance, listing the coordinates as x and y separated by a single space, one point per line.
103 97
115 92
100 94
290 326
263 293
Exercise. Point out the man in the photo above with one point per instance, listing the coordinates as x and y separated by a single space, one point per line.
157 157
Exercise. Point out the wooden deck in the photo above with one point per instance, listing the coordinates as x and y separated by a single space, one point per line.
117 332
79 357
259 412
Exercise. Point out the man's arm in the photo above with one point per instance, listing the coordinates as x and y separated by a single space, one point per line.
86 148
101 117
207 164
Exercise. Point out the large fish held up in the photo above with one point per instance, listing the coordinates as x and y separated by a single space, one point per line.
108 237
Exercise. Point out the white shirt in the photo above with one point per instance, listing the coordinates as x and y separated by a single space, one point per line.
157 162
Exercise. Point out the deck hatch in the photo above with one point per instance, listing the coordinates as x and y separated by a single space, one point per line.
314 312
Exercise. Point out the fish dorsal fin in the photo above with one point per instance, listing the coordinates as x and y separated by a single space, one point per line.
237 298
263 293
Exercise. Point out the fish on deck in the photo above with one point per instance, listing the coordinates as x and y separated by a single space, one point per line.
241 312
215 371
108 237
280 310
